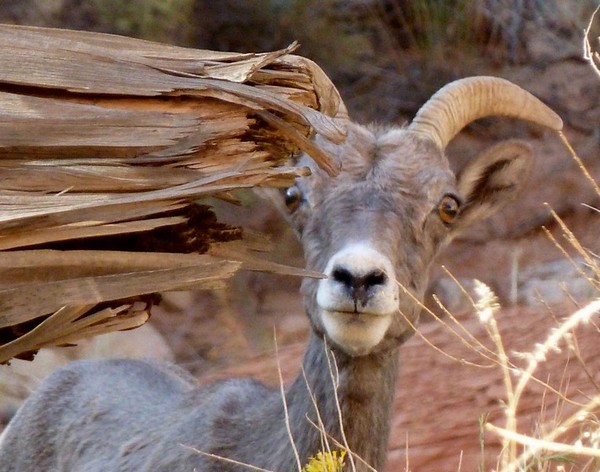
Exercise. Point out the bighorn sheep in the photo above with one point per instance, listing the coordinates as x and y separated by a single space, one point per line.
374 231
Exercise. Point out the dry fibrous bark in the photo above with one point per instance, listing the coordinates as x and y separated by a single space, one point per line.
106 143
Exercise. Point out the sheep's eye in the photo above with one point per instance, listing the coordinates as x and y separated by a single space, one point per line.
293 198
448 208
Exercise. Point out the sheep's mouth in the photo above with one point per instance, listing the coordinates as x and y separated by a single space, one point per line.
362 316
353 317
357 333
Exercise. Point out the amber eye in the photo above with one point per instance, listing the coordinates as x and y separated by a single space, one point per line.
448 208
293 197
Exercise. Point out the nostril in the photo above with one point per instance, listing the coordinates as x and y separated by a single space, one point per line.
359 280
377 277
343 276
347 278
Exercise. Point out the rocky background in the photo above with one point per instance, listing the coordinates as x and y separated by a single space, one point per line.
387 57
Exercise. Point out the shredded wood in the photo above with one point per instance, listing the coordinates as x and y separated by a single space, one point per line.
107 143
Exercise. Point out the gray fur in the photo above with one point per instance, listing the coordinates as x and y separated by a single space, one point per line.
132 415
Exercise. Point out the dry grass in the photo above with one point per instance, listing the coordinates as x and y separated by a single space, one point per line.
333 454
592 53
568 437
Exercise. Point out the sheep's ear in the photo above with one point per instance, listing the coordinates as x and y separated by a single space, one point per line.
493 179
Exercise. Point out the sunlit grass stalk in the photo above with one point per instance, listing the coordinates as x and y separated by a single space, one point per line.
331 363
406 455
482 423
588 54
489 354
579 162
534 444
552 342
226 459
486 307
559 430
476 346
509 460
320 426
325 460
285 409
570 237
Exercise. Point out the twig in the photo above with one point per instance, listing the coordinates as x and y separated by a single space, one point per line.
285 408
429 343
588 55
486 306
406 461
579 161
321 426
225 459
535 358
481 348
335 382
537 444
580 316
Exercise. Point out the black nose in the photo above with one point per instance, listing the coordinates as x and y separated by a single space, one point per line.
359 287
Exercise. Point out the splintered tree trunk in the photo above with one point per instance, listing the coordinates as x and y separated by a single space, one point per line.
106 143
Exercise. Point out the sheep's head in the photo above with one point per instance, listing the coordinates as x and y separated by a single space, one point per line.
375 228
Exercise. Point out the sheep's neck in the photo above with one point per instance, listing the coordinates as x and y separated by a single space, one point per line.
365 396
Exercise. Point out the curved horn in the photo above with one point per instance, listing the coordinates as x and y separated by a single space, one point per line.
459 103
